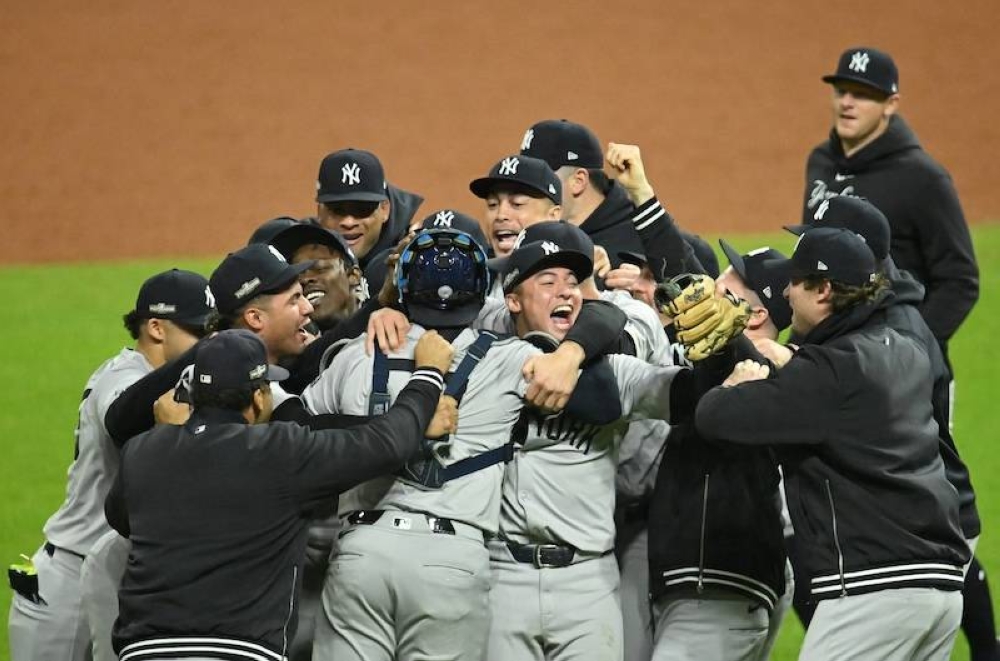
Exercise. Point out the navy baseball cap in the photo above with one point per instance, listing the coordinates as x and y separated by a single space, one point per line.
532 173
271 228
768 284
180 296
455 220
251 271
832 253
528 259
351 175
866 66
856 214
566 235
561 142
290 239
231 360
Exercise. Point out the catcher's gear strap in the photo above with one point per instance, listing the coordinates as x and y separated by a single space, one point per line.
429 472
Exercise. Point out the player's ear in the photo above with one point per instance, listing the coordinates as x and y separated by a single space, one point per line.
891 106
555 213
253 318
513 302
155 329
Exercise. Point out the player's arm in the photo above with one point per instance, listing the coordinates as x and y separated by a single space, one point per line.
946 247
115 510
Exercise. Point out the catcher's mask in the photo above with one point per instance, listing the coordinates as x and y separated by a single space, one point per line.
442 278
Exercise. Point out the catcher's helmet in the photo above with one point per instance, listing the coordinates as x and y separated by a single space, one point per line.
442 278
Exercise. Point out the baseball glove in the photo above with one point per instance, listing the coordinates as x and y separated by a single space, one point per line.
705 321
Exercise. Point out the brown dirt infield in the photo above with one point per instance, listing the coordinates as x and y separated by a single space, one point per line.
133 129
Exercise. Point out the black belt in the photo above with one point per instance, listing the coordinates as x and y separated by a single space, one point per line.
368 517
542 555
51 549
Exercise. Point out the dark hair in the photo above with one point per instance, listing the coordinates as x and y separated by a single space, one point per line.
134 322
231 399
599 179
844 296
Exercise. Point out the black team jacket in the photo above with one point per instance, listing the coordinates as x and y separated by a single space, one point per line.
851 417
930 238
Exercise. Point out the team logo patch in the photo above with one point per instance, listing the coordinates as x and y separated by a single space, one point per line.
859 62
350 174
162 308
248 287
508 166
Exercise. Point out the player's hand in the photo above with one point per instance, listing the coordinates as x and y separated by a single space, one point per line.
167 411
746 370
389 326
624 277
445 420
626 165
602 263
432 350
552 376
777 353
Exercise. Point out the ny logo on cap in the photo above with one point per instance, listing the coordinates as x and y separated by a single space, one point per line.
519 240
509 165
443 218
209 298
821 210
350 174
859 62
549 247
529 135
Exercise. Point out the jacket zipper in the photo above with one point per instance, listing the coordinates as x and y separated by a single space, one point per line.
701 548
291 607
836 541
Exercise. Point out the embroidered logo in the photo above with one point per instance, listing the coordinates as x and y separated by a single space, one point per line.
821 210
820 266
350 174
859 62
529 135
209 297
508 166
278 255
444 218
549 247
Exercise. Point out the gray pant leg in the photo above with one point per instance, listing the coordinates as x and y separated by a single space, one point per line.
56 630
780 611
909 624
722 626
637 612
100 577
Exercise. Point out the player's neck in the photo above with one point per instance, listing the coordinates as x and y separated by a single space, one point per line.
584 206
152 351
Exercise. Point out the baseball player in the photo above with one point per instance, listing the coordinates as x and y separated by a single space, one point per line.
519 191
354 199
716 551
217 508
46 620
872 153
411 575
867 493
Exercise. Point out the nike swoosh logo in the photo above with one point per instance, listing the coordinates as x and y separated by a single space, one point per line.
842 177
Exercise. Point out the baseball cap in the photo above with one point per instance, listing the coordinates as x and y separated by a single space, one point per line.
230 360
271 228
456 220
833 253
290 239
867 66
564 234
530 172
856 214
251 271
442 278
180 296
561 142
768 284
351 174
529 258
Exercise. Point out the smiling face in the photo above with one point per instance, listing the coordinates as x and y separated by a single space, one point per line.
510 210
549 301
278 319
809 306
327 285
860 114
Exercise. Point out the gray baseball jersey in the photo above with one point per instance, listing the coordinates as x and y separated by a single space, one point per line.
560 488
79 522
492 403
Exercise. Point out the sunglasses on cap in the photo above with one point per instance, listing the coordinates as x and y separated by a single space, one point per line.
353 208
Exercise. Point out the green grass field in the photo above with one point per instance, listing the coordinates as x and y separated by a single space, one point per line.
67 320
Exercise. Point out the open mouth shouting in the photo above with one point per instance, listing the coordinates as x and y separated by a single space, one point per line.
562 317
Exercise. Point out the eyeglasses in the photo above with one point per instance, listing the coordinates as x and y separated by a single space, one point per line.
353 208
